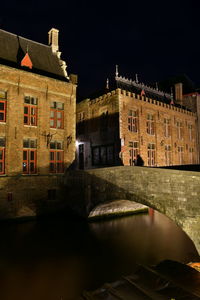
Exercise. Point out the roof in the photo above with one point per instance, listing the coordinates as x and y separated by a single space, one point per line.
13 48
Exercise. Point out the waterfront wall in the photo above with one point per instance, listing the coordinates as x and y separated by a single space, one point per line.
30 196
174 193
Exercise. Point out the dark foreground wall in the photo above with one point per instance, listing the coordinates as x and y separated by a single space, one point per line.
174 193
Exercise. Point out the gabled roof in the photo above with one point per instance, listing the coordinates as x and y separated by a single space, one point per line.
13 48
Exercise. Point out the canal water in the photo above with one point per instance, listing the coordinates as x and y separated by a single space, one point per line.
57 259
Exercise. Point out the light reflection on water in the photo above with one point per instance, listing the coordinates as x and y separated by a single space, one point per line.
49 259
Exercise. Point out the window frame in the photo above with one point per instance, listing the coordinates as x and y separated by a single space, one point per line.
180 154
133 151
31 103
133 120
150 123
179 125
2 160
55 109
4 110
167 127
29 147
56 148
168 155
151 154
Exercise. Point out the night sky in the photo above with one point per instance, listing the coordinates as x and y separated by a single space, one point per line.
155 39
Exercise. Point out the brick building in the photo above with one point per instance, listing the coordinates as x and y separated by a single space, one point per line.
37 123
131 118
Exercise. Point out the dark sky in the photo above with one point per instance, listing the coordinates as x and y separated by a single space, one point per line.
155 39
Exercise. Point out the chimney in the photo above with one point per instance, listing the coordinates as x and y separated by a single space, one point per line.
179 93
53 39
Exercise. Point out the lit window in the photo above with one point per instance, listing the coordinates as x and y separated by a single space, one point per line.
2 155
30 111
56 157
133 120
150 124
133 152
151 153
29 156
57 115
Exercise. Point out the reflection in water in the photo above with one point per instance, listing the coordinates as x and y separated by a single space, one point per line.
50 259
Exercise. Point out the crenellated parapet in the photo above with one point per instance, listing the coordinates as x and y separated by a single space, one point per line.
136 97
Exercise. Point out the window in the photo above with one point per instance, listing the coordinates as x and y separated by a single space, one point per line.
29 156
57 115
180 154
133 152
30 111
150 124
191 155
151 154
167 127
168 155
191 132
2 155
133 120
179 126
3 97
56 157
103 155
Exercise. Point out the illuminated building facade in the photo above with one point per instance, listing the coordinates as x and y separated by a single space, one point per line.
37 122
132 118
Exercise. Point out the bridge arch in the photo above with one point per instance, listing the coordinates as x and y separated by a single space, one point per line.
172 192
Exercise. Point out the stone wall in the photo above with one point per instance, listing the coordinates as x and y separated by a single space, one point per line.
172 192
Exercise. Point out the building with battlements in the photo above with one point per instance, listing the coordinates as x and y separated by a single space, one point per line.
131 118
37 123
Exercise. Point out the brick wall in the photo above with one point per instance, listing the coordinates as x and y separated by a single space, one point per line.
17 84
160 111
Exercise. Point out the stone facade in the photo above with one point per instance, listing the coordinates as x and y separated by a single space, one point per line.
37 139
128 124
174 193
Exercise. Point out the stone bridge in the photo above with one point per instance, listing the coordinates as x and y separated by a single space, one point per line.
172 192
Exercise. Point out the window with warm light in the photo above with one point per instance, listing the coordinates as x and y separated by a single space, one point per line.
56 157
29 156
2 155
57 115
30 110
